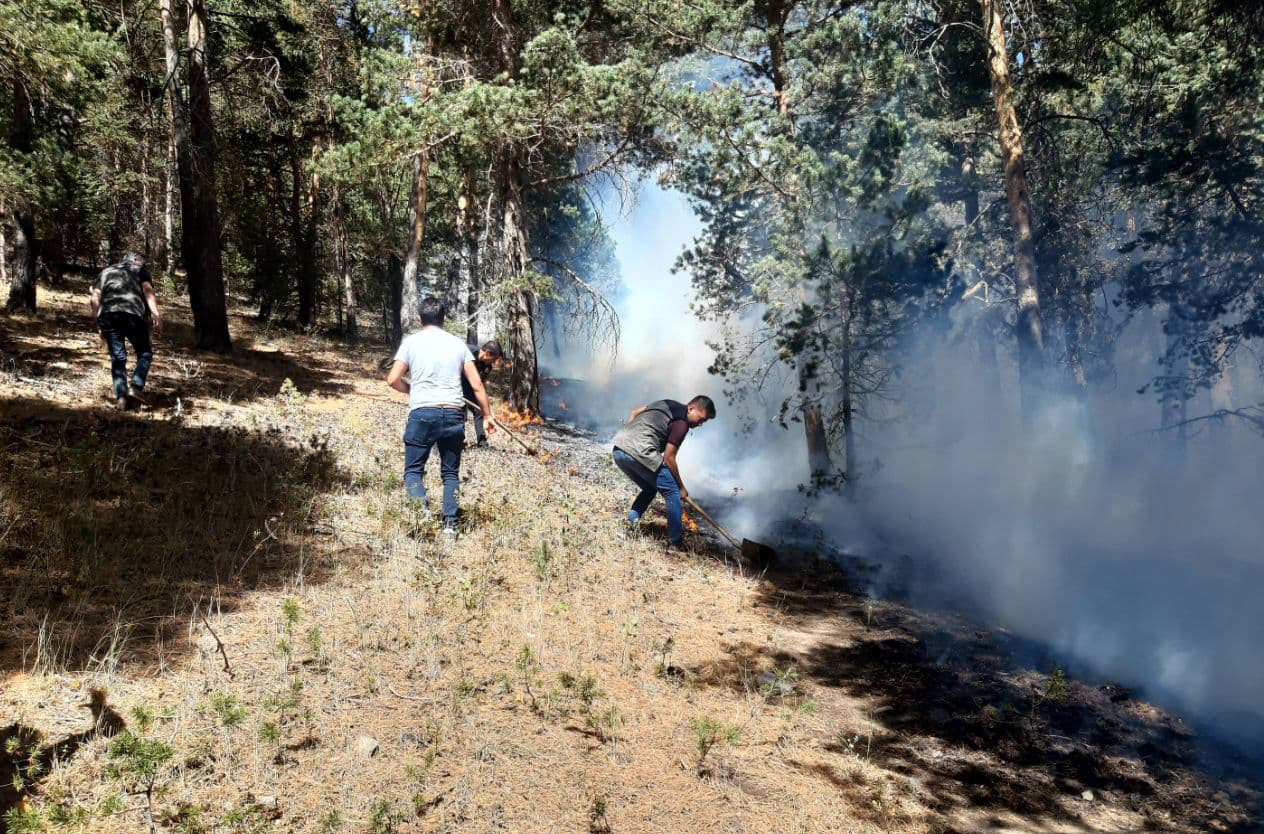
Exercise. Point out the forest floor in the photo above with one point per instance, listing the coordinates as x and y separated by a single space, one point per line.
220 614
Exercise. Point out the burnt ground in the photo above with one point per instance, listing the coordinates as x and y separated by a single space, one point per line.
960 716
963 710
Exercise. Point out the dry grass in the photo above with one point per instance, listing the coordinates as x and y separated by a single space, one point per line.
255 593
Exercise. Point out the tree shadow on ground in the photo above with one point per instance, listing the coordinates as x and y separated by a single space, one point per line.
113 528
60 340
959 716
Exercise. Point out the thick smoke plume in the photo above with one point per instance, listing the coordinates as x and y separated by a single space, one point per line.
1089 532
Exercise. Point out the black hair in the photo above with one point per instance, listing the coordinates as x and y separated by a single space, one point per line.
493 348
432 311
706 404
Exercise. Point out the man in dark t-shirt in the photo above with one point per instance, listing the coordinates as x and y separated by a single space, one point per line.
485 358
125 307
645 449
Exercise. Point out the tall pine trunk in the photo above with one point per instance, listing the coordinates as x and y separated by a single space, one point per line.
199 205
1172 393
409 295
1026 280
521 306
350 328
469 238
302 242
4 247
22 286
171 196
520 309
850 465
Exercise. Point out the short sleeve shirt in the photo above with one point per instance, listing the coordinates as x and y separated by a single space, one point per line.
434 358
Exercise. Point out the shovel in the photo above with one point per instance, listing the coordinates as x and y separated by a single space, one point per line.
531 450
759 555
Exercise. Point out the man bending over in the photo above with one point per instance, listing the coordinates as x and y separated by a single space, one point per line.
645 449
485 359
428 368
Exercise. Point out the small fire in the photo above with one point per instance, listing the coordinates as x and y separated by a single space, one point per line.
516 419
690 524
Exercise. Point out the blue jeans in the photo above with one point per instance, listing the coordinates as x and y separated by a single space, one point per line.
427 428
116 328
650 483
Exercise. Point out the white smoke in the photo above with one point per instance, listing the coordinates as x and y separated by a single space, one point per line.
1081 533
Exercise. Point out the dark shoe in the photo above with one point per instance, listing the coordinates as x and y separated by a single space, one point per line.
136 398
121 404
482 441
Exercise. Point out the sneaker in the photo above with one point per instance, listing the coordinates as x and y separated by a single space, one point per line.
121 404
450 533
628 529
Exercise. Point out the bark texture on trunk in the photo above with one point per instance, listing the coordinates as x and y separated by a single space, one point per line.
520 309
469 236
21 135
520 312
4 247
850 464
199 203
1028 328
342 254
416 236
1172 397
301 236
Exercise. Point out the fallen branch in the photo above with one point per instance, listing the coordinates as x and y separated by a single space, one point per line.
219 644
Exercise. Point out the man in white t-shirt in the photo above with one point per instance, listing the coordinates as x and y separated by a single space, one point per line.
428 368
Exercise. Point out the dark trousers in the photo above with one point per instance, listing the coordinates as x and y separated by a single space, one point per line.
427 428
479 432
661 482
119 328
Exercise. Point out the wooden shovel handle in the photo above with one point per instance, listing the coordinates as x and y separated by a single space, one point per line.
504 428
725 533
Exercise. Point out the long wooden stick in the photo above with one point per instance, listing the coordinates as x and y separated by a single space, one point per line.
506 429
725 533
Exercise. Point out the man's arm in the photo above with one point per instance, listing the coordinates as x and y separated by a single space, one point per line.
635 412
151 300
470 370
395 378
94 300
669 460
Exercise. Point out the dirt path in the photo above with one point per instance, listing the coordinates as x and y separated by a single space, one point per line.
238 575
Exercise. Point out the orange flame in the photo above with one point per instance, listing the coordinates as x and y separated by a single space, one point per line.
690 524
516 419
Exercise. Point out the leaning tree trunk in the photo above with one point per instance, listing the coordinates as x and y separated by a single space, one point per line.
199 203
469 236
22 288
1026 284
